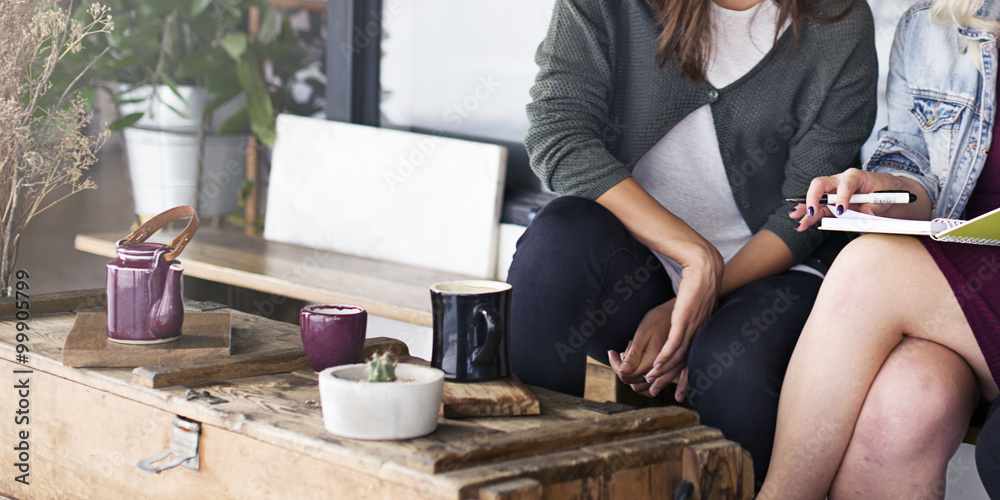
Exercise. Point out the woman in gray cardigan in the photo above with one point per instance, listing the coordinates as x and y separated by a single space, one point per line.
674 129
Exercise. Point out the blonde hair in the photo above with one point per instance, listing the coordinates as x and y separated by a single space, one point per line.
962 13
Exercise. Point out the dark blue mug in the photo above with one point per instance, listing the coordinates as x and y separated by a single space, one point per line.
471 330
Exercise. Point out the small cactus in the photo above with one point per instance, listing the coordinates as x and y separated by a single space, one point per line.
382 368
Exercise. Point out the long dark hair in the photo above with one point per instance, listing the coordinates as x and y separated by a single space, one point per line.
687 29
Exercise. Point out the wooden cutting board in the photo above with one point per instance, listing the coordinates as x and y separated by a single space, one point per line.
204 335
501 398
251 364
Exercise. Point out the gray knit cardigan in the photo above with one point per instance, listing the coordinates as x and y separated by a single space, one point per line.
600 101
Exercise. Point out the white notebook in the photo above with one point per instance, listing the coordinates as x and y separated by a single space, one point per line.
983 230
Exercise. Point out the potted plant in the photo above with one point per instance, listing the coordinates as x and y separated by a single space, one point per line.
381 399
44 149
186 76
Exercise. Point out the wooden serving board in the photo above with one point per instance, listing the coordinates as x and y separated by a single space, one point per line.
204 335
507 397
249 364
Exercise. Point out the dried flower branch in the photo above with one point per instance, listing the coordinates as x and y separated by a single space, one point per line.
44 150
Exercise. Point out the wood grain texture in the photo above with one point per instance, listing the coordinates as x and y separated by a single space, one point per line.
94 424
517 489
54 302
249 364
747 482
599 384
85 444
203 335
507 397
571 434
309 5
210 370
716 470
395 291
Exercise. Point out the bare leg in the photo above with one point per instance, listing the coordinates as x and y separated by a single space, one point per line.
912 421
880 288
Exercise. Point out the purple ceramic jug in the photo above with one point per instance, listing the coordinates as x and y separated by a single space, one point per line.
145 305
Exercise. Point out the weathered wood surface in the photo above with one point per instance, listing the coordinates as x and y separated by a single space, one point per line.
723 462
209 370
386 289
249 364
53 302
94 424
518 489
507 397
203 335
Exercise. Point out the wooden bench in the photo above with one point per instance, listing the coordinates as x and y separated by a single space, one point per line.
385 289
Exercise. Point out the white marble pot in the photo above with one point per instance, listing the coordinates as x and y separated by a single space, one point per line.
356 408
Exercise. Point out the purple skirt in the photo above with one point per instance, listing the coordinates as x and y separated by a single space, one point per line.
973 271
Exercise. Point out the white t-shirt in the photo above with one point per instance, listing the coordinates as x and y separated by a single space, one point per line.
684 170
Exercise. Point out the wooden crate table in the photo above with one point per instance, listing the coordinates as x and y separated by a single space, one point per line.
89 427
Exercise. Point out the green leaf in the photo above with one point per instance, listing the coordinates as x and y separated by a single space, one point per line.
199 7
268 26
222 97
235 123
225 83
235 45
258 100
125 121
172 85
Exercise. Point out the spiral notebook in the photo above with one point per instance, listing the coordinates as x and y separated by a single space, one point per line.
983 230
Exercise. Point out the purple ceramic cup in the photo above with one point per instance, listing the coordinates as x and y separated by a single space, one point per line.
333 334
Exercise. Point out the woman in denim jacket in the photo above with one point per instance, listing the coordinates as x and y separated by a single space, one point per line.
934 306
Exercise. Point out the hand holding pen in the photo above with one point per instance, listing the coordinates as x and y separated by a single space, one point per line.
867 192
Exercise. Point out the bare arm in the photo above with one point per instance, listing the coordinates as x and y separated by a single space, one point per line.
657 228
764 255
668 334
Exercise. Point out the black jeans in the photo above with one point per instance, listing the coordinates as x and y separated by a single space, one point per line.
581 285
988 451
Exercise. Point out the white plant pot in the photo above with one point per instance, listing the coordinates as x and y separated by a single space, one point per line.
356 408
162 151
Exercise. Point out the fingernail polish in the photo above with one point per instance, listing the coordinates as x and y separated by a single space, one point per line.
812 211
790 213
797 226
840 210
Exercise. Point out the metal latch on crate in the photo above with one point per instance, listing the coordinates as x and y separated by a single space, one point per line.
183 447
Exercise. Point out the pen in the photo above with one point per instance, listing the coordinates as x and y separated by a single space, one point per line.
876 197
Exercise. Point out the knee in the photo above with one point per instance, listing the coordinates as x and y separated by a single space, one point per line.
567 230
888 433
915 409
719 376
863 259
570 218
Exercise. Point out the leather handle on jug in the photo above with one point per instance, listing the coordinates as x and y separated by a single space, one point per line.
156 223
